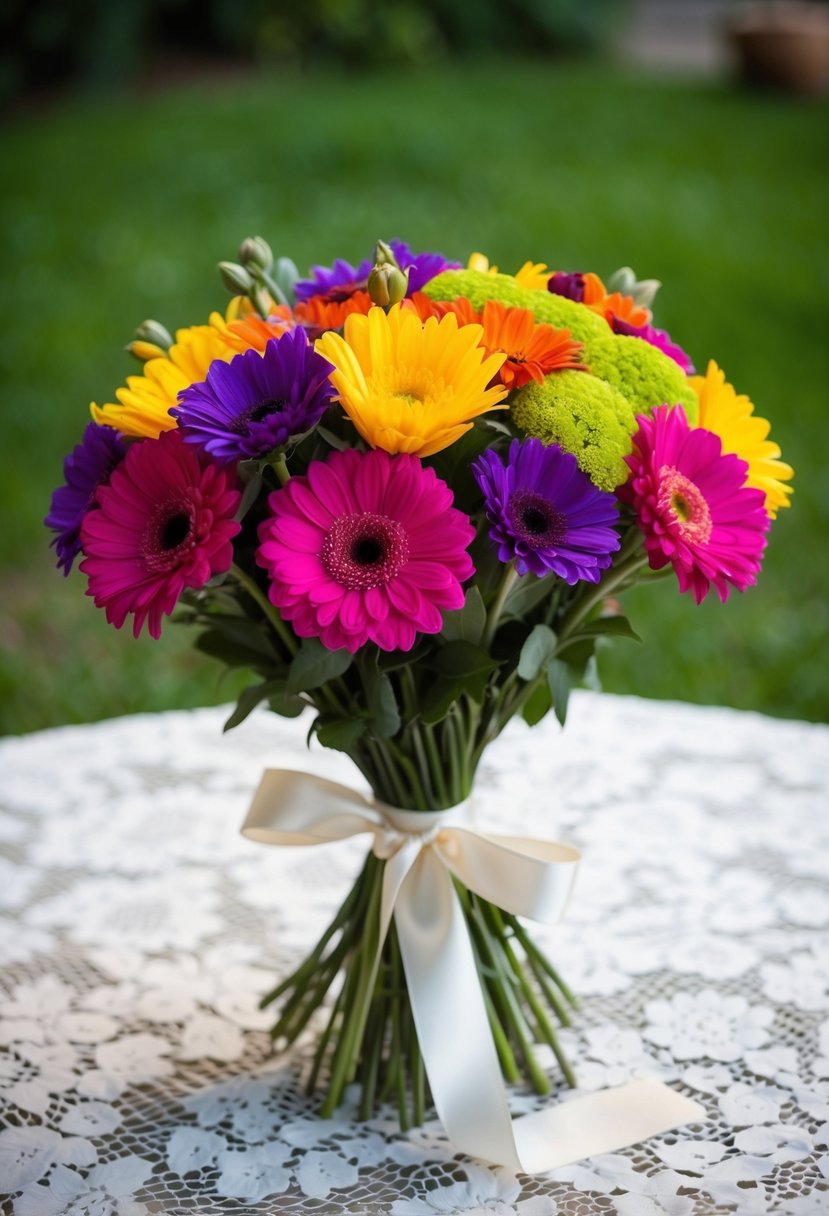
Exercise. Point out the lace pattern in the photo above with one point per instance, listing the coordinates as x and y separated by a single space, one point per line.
139 931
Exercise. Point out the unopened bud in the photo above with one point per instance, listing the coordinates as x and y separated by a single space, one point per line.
154 333
235 278
144 351
383 255
388 285
641 291
262 300
255 253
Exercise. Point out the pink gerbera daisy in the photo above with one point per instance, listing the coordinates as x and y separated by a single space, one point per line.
693 506
164 523
366 548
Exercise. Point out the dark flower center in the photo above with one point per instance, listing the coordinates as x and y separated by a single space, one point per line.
364 550
535 520
340 292
367 551
174 530
169 536
257 413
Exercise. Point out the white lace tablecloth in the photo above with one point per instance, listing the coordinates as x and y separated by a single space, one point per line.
140 930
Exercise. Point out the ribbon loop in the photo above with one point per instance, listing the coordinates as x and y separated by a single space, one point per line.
422 850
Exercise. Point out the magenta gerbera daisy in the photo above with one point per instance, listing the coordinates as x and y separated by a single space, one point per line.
693 506
164 523
366 548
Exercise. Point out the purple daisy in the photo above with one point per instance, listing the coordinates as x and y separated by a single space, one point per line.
340 281
337 282
256 403
547 515
422 267
658 338
88 466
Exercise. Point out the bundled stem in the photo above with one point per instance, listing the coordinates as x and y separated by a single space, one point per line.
369 1035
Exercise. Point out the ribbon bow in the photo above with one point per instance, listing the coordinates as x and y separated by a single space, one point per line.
524 876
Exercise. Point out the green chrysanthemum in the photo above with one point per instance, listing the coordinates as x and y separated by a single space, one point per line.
554 310
643 374
583 415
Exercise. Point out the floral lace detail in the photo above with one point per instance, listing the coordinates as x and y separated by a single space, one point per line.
139 932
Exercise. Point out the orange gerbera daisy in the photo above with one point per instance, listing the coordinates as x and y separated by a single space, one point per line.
624 308
321 312
252 332
532 350
426 308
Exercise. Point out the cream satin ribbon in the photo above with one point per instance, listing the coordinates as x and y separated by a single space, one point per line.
524 876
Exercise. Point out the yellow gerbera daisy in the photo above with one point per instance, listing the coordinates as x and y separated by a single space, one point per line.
480 262
144 404
532 276
410 386
731 416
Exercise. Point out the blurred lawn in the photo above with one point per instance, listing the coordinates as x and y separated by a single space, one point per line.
114 213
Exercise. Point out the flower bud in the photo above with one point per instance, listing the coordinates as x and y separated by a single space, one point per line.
144 351
388 285
256 254
235 278
153 333
262 299
642 291
383 255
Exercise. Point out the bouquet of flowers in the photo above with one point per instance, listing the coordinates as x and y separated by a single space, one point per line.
406 495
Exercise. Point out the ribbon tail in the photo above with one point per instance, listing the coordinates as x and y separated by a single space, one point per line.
462 1063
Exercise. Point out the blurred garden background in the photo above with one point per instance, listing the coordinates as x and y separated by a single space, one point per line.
141 144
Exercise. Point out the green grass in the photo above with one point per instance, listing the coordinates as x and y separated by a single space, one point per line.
118 212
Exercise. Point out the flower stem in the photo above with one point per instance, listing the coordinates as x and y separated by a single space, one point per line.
494 614
270 612
280 466
583 606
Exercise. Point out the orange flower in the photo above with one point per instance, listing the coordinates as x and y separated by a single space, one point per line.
595 292
252 332
625 308
426 308
321 313
533 351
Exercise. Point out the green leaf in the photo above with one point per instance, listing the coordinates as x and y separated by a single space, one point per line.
244 632
384 716
268 690
467 623
537 705
215 644
462 669
314 665
579 659
603 627
339 733
249 495
560 683
459 658
526 593
536 652
334 441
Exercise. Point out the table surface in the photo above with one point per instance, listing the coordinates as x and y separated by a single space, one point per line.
140 930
